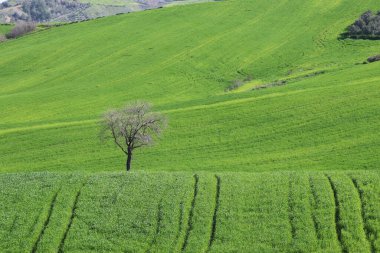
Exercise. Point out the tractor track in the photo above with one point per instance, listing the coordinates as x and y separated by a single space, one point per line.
52 204
191 214
338 227
215 215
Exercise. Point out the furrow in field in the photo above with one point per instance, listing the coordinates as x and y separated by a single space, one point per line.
313 200
52 204
158 225
75 205
337 214
13 223
35 222
366 228
291 208
214 217
350 222
191 213
369 186
300 214
180 223
322 204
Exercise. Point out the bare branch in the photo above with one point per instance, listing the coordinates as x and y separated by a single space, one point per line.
133 126
117 142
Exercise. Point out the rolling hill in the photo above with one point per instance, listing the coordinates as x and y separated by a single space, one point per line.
55 85
272 143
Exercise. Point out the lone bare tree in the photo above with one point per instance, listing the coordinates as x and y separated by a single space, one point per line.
133 126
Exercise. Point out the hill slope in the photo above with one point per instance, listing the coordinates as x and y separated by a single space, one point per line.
178 212
55 84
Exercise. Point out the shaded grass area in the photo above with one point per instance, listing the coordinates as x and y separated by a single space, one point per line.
158 212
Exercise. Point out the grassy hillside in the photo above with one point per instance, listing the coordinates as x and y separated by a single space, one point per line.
181 212
288 167
55 84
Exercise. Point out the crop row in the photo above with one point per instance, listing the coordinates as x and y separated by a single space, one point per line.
181 212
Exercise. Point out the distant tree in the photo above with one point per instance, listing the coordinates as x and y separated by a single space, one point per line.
367 26
374 58
4 5
132 127
37 10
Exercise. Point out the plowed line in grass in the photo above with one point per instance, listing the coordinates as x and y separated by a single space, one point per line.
338 227
158 225
366 229
214 217
313 205
191 214
52 203
13 224
180 221
291 208
73 209
35 222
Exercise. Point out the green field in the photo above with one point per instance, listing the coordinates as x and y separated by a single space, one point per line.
55 84
293 168
181 212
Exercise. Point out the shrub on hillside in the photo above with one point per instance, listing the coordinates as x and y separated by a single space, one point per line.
20 29
235 85
374 58
367 26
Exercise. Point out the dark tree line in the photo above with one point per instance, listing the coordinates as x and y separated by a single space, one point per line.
37 10
367 26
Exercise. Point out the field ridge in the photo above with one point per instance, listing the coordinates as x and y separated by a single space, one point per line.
73 209
214 216
191 213
51 207
252 205
366 229
337 214
158 226
313 200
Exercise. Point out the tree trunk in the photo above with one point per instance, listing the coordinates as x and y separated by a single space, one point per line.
129 160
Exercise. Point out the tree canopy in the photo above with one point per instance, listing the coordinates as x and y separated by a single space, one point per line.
133 126
368 25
